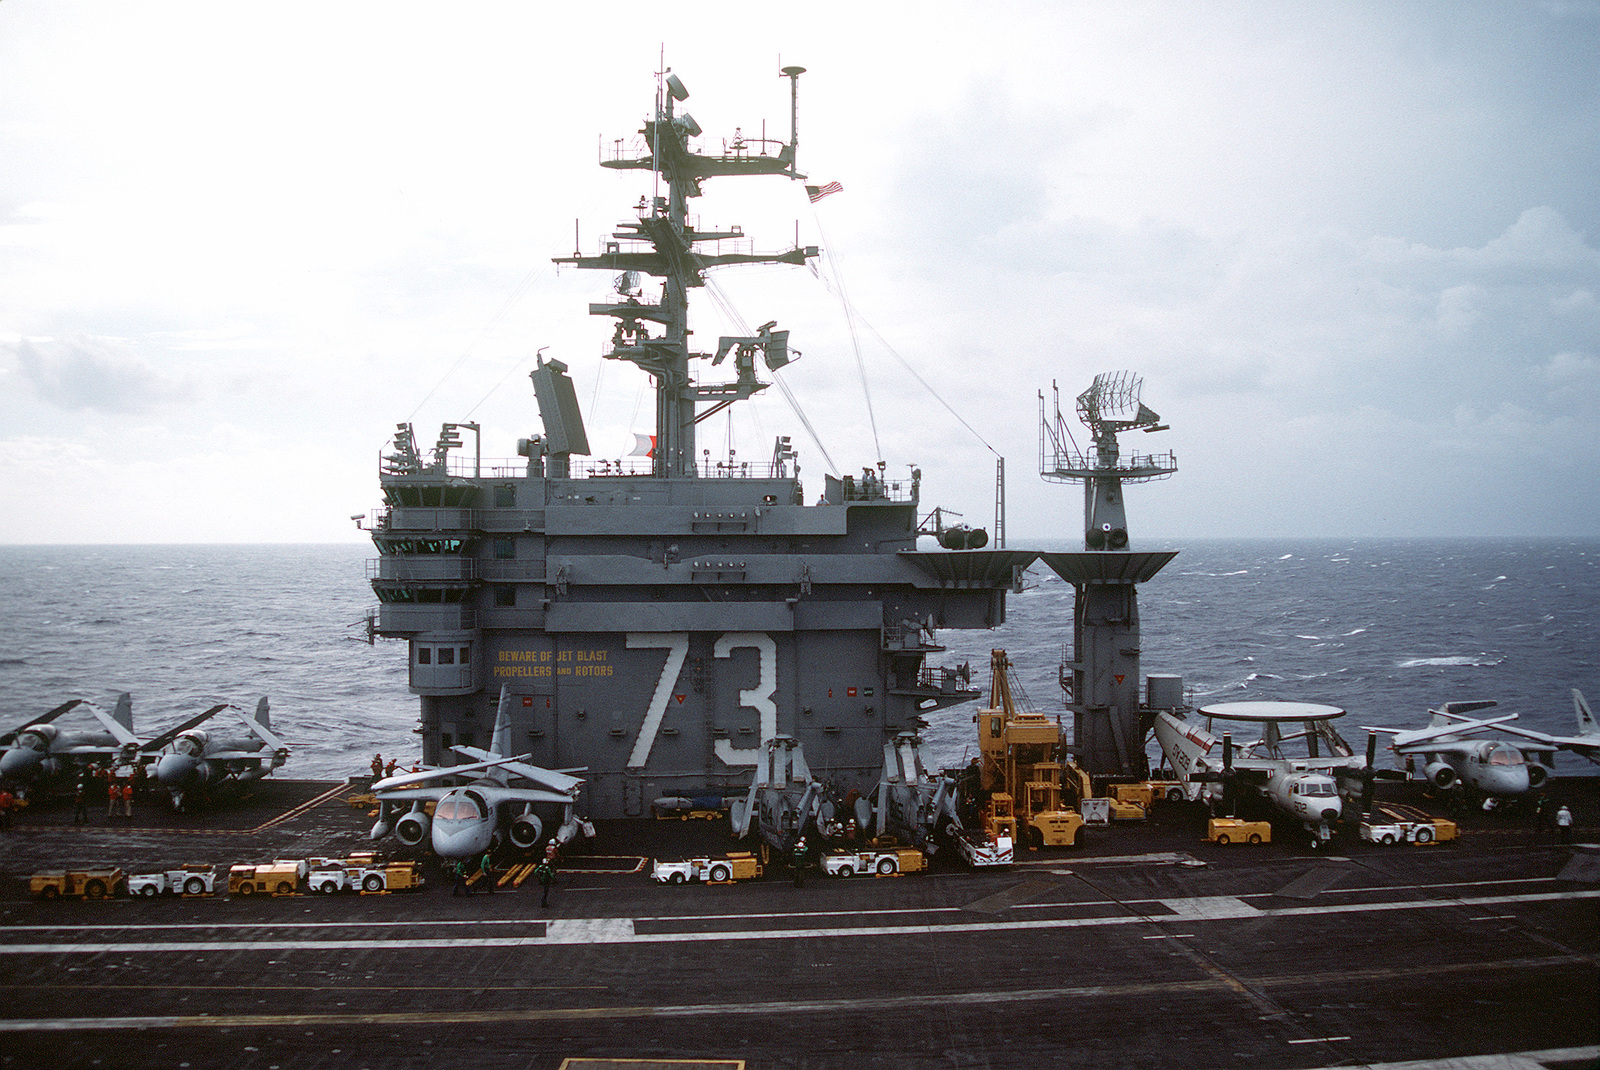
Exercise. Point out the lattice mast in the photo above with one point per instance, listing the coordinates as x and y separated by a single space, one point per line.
1110 406
665 242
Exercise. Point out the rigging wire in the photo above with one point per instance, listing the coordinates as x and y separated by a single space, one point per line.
511 301
722 302
850 322
907 366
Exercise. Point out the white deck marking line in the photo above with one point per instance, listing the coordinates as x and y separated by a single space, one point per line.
612 931
1318 1040
880 1004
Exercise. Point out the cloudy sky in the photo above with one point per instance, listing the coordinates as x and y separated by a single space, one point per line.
1352 248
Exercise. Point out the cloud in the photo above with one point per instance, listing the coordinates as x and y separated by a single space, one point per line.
94 373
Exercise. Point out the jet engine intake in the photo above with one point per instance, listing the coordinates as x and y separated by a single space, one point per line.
1537 775
1440 775
413 828
526 830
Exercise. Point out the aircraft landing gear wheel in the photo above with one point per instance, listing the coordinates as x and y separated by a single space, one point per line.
1174 794
1424 835
1255 837
1222 838
885 866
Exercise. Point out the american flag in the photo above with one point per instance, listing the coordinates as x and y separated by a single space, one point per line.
816 193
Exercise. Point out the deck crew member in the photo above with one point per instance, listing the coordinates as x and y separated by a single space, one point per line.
545 873
377 766
798 861
1564 824
486 873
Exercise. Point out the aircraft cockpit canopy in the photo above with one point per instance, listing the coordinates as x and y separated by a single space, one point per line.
1315 787
1503 755
457 807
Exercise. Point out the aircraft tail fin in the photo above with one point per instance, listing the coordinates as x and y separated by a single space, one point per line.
501 743
123 713
263 714
1586 722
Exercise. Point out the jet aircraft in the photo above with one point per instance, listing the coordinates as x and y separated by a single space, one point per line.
1312 789
469 819
1490 769
1586 743
785 801
42 753
204 762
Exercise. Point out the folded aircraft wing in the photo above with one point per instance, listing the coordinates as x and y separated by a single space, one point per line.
403 780
495 795
10 737
1412 738
118 732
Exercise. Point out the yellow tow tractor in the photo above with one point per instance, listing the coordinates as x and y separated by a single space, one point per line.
1226 830
97 883
271 878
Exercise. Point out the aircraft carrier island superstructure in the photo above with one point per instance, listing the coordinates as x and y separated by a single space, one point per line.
655 627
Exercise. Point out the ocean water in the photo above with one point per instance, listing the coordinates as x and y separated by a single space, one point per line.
1382 628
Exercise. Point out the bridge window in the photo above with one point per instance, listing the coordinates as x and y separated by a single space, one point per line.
505 496
424 655
447 655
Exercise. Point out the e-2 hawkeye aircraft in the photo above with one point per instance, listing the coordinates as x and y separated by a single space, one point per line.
1492 770
1312 788
42 754
469 819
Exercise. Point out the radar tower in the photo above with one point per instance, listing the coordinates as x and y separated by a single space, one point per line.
1101 682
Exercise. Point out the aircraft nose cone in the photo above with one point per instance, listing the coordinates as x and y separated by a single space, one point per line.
173 770
452 840
20 762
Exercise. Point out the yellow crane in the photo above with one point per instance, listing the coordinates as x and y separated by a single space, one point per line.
1024 771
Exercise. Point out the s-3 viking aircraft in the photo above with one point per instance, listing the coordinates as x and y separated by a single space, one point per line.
42 752
1585 743
1312 788
1491 769
471 818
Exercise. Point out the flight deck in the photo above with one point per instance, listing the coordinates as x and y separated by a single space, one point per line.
1145 947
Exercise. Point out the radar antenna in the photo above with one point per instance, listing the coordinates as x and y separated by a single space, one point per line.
1111 405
